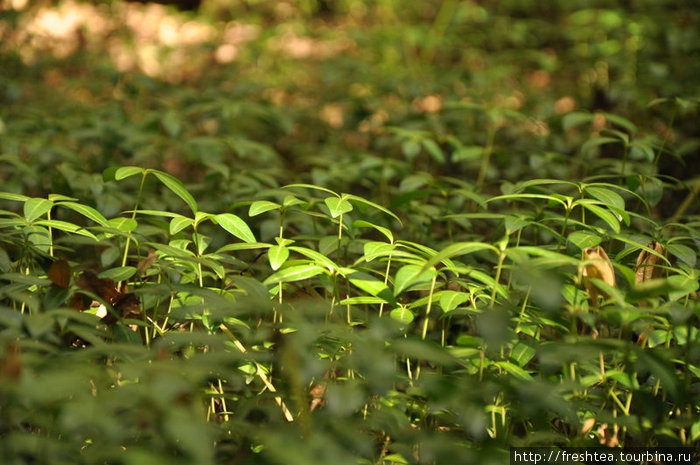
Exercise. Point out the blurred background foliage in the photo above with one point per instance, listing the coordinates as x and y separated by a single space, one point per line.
425 107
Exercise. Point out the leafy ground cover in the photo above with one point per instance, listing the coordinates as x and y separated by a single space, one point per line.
358 232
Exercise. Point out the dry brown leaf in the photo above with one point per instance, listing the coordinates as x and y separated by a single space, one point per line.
146 262
599 267
648 264
588 425
608 436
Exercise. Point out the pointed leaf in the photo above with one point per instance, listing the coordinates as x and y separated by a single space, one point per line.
262 206
236 226
449 300
35 208
371 285
277 255
294 273
86 211
337 206
604 215
410 275
179 223
177 187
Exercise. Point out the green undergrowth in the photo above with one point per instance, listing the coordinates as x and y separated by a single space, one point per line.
385 233
301 328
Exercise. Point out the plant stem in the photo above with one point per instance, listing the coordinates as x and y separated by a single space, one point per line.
485 158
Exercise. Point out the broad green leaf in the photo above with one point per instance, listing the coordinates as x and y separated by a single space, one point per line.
67 227
14 197
366 224
262 206
277 255
374 250
337 206
684 285
402 314
604 215
606 196
123 172
597 141
662 369
179 223
310 186
584 239
456 250
514 370
373 205
683 253
434 150
319 258
120 273
523 353
551 198
362 300
177 187
371 285
123 224
410 275
236 226
86 211
294 273
576 118
35 208
449 300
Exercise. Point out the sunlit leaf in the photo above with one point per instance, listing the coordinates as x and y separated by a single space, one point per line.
236 226
35 208
177 187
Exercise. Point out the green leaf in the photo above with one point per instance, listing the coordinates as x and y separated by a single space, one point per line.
604 215
65 226
449 300
366 224
319 258
410 275
584 239
597 141
575 118
337 206
123 224
434 150
13 196
372 204
86 211
35 208
683 253
371 285
262 206
662 369
177 187
606 196
119 173
514 370
294 273
277 255
120 273
402 314
236 226
179 223
456 250
310 186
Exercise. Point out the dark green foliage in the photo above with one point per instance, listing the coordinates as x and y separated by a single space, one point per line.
369 249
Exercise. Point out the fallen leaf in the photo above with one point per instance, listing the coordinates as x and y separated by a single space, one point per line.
648 265
599 267
59 273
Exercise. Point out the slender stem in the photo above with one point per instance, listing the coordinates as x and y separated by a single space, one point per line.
133 217
485 158
501 258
